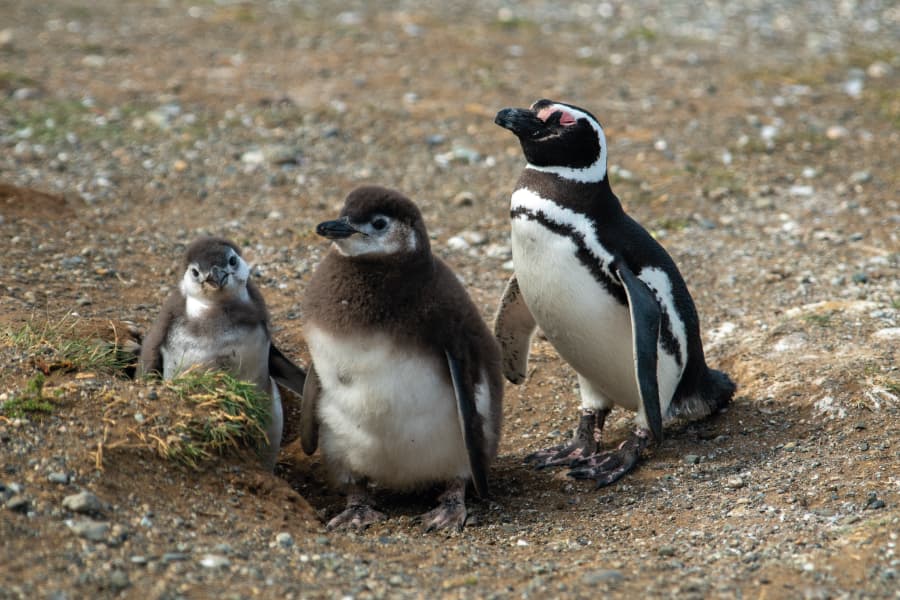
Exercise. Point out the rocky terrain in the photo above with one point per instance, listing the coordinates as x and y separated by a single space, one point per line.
757 141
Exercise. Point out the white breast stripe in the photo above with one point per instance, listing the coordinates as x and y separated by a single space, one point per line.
527 199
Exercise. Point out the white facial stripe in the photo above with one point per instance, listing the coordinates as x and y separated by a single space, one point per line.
393 239
657 280
589 174
525 198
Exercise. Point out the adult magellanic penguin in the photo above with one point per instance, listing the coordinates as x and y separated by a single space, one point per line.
405 387
217 318
607 295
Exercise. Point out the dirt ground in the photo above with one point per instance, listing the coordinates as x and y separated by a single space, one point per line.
757 141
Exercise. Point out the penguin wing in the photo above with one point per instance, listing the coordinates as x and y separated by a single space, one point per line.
465 405
513 327
286 372
150 359
645 318
309 424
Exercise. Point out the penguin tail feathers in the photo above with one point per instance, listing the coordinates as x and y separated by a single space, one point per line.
713 393
717 390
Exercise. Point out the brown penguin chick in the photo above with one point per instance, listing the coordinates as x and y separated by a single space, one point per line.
217 318
405 387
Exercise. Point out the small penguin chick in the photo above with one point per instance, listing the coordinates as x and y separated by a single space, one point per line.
606 294
217 318
405 388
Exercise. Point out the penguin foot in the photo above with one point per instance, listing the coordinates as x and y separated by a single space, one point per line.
451 513
585 442
359 513
357 517
608 467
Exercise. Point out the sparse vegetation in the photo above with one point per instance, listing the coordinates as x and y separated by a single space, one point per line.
30 402
212 414
60 346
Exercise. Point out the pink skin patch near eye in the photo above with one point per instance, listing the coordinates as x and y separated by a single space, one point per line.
566 119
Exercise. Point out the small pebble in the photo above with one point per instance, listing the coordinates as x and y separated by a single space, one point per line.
873 502
170 557
118 580
58 477
284 539
602 576
214 561
734 483
83 502
691 459
464 198
836 132
95 531
861 177
18 503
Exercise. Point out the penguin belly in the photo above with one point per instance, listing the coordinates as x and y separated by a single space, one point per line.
386 412
589 328
242 351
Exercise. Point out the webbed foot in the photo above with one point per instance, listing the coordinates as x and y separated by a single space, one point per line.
359 513
609 466
451 513
585 442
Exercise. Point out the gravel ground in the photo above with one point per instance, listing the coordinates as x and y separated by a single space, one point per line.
757 141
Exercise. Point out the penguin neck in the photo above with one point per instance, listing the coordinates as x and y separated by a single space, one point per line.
354 294
593 198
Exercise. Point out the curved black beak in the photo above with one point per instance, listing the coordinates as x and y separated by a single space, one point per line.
521 121
216 277
335 230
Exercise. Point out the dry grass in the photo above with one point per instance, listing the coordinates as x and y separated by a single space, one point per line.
192 419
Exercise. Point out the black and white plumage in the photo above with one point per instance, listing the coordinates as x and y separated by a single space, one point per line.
606 294
217 318
405 387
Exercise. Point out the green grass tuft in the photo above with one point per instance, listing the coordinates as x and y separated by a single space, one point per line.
59 346
30 403
822 320
221 415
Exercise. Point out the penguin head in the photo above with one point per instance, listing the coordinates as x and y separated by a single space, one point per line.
214 268
377 222
559 138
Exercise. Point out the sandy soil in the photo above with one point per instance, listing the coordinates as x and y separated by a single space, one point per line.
757 142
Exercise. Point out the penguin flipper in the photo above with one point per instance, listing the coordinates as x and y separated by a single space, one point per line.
285 372
150 360
645 320
465 405
309 424
513 327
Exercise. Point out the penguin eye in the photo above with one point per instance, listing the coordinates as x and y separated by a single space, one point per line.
232 261
379 224
195 273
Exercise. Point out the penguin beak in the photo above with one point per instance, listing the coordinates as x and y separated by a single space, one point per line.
217 277
336 230
521 121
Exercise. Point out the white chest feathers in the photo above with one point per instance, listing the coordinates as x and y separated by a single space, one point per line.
388 412
242 351
588 326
